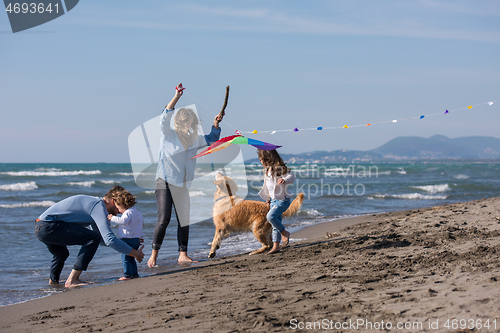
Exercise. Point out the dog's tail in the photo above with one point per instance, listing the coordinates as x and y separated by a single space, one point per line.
294 206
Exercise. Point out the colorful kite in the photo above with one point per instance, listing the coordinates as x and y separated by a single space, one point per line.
236 139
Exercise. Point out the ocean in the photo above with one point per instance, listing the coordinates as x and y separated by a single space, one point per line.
331 192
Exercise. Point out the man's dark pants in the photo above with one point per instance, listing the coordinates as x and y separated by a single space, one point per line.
57 235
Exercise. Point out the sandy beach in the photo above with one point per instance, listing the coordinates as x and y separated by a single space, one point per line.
425 270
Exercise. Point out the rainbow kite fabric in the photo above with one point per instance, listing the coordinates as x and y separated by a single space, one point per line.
236 139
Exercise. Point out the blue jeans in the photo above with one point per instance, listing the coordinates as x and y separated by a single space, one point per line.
129 264
275 216
57 235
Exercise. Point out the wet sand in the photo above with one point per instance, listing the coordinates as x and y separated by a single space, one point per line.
419 267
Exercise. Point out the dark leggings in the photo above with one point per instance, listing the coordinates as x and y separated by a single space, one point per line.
164 202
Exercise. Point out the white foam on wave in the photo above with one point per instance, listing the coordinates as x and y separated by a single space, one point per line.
29 186
46 203
123 173
85 184
196 194
48 169
110 182
310 212
410 196
413 196
50 173
461 176
236 243
434 188
401 171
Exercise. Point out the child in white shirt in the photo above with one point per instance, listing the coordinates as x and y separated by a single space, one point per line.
276 178
130 225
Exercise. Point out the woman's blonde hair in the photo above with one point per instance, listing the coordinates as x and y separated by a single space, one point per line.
273 162
187 135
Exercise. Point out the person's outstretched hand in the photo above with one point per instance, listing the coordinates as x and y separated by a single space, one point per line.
179 90
217 120
137 254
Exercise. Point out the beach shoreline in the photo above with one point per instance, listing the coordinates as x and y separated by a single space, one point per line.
423 266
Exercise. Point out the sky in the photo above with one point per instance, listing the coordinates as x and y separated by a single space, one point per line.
73 89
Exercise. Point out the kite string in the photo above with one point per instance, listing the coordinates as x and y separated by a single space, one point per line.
345 126
369 124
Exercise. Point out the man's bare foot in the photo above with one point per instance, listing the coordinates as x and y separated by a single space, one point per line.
285 237
74 280
75 283
152 259
124 278
184 259
52 282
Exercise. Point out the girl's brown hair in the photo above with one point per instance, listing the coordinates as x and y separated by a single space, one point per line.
114 193
125 199
187 135
273 162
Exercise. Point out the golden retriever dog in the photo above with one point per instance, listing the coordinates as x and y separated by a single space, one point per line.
231 214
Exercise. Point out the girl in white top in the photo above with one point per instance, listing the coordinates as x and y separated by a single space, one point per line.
130 225
276 178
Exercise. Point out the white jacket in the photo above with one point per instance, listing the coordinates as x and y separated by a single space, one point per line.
130 223
280 190
176 164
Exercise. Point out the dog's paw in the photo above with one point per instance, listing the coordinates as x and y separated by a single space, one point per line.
211 254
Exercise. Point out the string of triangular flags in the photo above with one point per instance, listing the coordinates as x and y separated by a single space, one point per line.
320 128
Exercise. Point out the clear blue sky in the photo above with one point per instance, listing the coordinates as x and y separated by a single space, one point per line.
73 89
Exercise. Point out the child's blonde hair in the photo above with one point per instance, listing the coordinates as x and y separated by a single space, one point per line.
273 162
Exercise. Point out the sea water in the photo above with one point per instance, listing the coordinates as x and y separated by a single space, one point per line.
331 191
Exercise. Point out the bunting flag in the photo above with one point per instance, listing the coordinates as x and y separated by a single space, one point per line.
236 139
296 129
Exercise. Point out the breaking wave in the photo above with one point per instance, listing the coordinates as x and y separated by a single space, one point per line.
19 187
29 204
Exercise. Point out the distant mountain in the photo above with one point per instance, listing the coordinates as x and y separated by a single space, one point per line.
410 148
441 147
